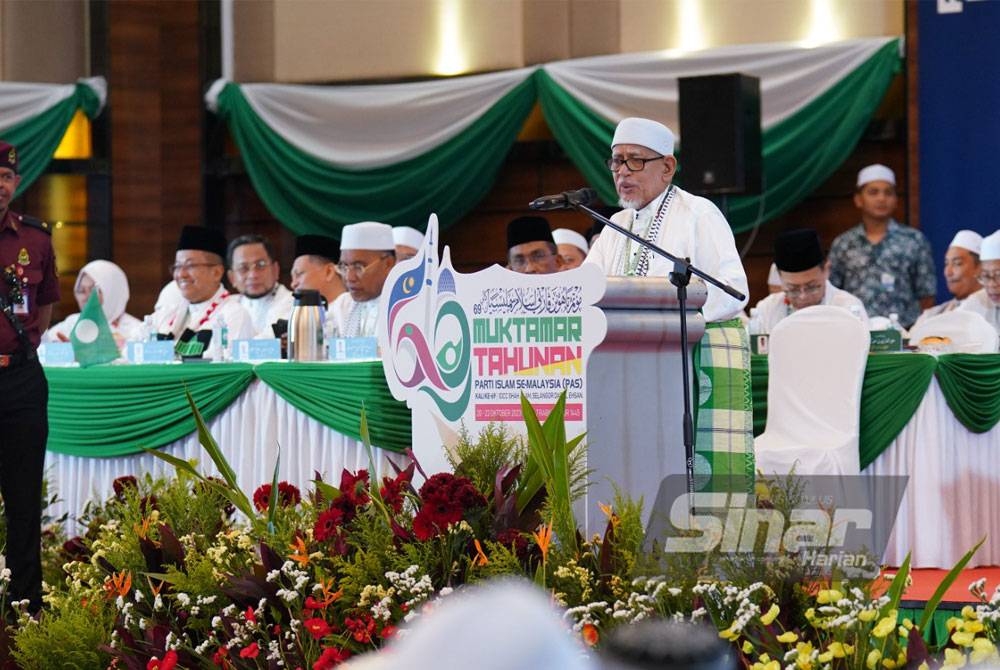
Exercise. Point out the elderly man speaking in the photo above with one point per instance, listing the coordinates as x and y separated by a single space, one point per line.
687 226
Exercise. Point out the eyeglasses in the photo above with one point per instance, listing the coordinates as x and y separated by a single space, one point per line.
986 278
189 266
536 257
633 163
358 268
808 289
245 268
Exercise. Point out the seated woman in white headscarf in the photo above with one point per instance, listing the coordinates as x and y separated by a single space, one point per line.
112 289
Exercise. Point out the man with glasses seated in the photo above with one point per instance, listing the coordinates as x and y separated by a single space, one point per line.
531 248
367 253
643 166
961 266
199 265
804 280
254 271
986 301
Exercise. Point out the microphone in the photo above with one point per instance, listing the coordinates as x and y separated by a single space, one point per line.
564 200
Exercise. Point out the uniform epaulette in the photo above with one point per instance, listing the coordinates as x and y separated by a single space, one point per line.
36 223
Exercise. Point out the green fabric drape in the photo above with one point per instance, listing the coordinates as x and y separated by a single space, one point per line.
37 139
971 386
335 394
893 387
799 153
310 196
117 410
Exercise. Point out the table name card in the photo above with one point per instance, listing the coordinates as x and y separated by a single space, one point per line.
56 353
353 349
254 351
885 341
157 351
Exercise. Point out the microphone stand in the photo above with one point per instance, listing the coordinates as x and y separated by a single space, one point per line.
680 277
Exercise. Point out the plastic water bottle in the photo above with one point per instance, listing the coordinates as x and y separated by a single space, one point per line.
224 338
148 328
754 327
898 327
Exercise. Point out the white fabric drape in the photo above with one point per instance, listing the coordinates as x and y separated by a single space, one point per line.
248 432
953 496
20 101
645 84
364 127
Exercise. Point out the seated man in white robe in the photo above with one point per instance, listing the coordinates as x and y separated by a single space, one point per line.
254 272
986 301
961 265
205 303
315 267
804 279
367 253
572 247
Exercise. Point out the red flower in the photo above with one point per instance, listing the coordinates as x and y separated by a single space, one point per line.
392 489
361 628
250 651
328 524
317 627
445 500
590 634
330 658
249 615
221 657
288 496
168 662
124 483
354 487
387 632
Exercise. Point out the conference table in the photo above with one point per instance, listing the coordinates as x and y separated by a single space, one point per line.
931 418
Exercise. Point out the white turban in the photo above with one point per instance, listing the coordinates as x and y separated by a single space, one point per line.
367 236
876 173
645 133
404 236
990 251
113 284
968 240
567 236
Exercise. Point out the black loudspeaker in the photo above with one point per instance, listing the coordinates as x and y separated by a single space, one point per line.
720 134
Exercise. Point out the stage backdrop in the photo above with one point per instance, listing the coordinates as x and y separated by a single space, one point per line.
959 94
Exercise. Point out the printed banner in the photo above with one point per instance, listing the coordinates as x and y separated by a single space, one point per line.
460 349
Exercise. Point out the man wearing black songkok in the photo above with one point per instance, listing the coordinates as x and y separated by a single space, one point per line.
530 246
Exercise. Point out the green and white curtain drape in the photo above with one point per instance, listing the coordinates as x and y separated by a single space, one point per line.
34 118
321 157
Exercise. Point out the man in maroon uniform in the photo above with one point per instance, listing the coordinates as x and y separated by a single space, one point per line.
27 292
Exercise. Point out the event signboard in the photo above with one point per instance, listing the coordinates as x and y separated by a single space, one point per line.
460 349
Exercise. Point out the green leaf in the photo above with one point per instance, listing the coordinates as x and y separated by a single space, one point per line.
943 587
272 501
895 591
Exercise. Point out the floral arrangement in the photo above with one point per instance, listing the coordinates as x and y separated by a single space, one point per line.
190 572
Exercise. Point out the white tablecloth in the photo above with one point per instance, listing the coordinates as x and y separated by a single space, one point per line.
249 433
953 495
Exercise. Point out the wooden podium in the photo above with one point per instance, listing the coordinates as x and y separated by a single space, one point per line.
634 403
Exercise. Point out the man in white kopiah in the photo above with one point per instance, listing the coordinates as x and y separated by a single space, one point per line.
687 226
367 253
254 272
805 281
572 247
986 301
111 285
407 242
961 265
199 265
773 279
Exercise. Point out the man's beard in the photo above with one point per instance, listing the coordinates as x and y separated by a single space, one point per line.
625 203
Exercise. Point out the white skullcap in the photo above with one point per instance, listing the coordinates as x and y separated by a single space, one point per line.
773 279
969 240
990 250
367 236
876 173
502 625
646 133
404 236
567 236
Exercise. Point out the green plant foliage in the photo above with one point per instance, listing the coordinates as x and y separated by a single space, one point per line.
69 638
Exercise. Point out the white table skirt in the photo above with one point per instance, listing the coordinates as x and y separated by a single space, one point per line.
953 495
248 432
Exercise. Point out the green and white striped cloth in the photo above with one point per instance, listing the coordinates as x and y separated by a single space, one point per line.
723 409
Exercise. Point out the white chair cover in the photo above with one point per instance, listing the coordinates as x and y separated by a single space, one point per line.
969 332
816 368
